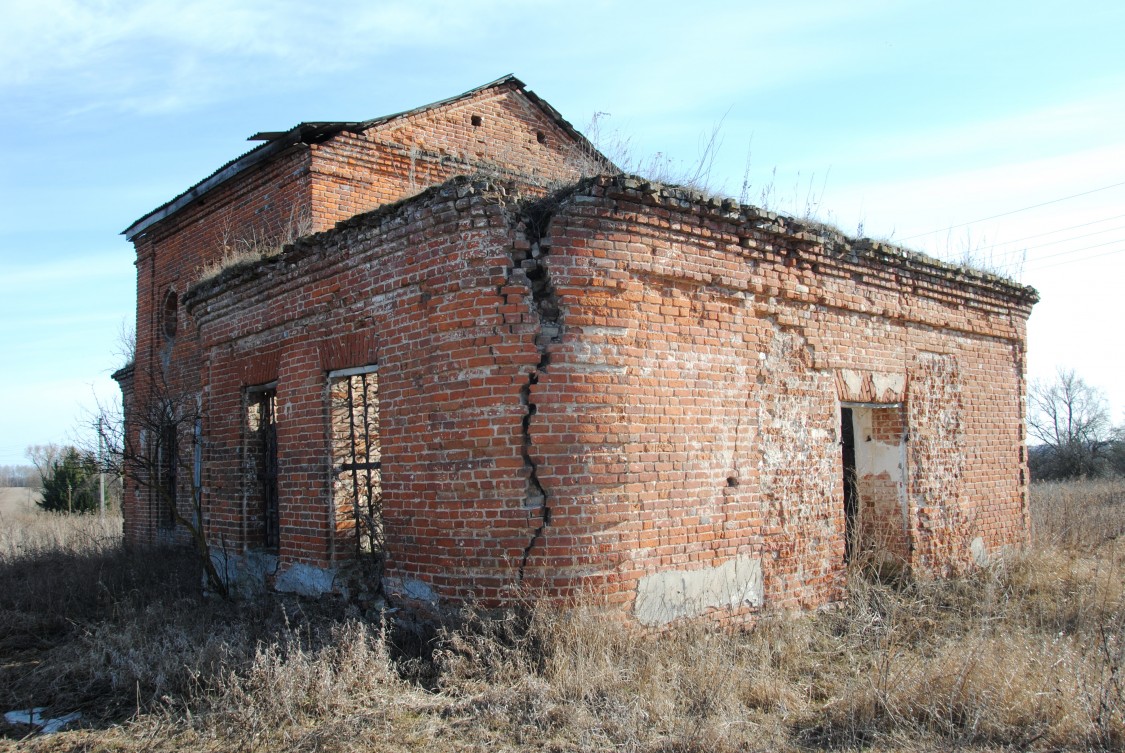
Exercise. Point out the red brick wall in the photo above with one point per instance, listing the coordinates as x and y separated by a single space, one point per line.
421 292
665 398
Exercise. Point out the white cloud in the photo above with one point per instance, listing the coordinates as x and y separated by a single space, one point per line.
33 273
1067 126
167 56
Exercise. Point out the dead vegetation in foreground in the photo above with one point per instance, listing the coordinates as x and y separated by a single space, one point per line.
1028 654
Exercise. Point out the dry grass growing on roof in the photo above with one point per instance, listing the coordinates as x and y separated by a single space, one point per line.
1027 654
255 244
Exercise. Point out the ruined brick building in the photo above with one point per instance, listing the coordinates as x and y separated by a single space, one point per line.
483 367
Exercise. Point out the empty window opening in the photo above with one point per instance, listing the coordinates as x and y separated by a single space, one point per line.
475 120
873 446
262 509
540 137
169 316
357 488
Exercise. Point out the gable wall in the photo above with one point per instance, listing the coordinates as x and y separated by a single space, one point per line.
311 188
355 173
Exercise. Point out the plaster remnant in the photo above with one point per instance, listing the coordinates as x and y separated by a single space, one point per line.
895 384
878 456
416 589
245 574
854 383
672 594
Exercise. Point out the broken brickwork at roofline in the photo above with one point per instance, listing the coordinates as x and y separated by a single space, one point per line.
625 388
300 182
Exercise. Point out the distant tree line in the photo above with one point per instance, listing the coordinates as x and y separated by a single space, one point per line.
19 475
1071 434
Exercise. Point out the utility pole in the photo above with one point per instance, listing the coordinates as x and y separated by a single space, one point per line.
101 473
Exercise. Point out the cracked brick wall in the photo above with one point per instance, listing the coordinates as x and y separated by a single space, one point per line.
625 388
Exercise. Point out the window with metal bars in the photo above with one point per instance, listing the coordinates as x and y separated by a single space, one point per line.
262 518
357 490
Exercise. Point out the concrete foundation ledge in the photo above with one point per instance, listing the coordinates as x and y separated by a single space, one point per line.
253 573
305 580
673 594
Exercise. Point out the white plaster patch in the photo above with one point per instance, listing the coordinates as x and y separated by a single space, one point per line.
606 331
853 380
478 372
247 574
669 595
979 551
873 457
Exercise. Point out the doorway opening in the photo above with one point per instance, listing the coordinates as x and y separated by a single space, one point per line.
873 459
847 441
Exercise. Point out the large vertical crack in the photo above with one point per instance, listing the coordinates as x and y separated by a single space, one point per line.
532 265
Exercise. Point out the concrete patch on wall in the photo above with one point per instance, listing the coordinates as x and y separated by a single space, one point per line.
305 580
412 589
672 594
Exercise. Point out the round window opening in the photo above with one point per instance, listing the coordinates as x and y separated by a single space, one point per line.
170 314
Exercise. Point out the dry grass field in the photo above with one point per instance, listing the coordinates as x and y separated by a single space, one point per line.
1027 654
16 503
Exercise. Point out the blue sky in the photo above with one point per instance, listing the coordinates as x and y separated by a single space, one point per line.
916 120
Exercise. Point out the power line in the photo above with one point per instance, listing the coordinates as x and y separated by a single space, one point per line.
1068 252
1052 232
1033 264
1014 211
1014 251
1075 261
